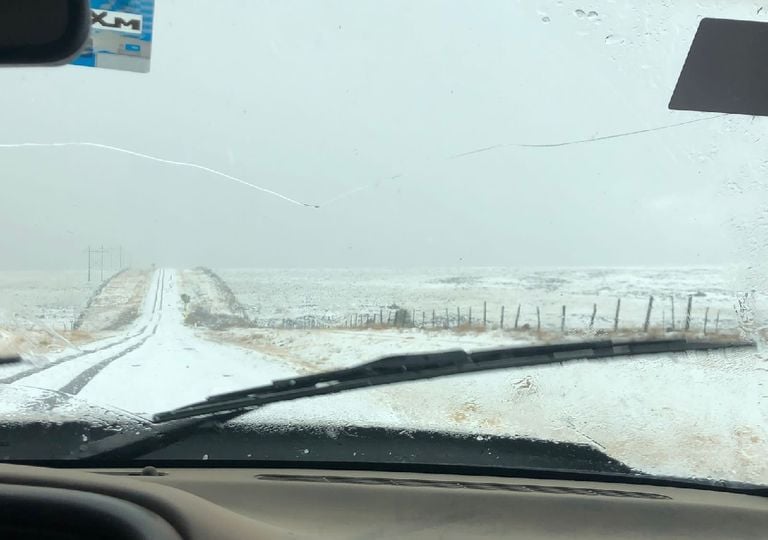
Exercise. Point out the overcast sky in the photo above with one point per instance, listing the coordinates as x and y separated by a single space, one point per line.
315 99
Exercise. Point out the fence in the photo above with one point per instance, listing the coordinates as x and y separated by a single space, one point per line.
616 317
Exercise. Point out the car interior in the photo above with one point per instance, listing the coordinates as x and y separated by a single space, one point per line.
39 502
219 500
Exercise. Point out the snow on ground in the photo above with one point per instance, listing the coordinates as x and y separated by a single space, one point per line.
38 311
51 298
697 414
176 366
105 317
55 370
271 295
117 303
208 292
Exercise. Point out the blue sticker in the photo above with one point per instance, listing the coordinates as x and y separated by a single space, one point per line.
121 35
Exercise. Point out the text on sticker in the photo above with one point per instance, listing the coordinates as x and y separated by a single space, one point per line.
131 23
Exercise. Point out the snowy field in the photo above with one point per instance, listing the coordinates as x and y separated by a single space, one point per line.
46 313
37 308
696 414
270 296
51 298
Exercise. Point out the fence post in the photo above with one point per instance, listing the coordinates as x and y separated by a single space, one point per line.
470 316
592 318
458 316
517 315
562 321
717 321
648 314
485 313
413 318
616 318
423 319
673 312
433 318
688 313
501 320
389 317
706 318
447 320
538 318
381 316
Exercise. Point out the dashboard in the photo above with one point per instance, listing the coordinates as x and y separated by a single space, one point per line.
219 503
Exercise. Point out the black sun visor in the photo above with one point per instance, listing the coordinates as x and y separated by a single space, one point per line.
726 69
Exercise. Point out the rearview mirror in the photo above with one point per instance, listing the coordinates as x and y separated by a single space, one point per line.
42 32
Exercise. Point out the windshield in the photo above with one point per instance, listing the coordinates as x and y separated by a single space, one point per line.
296 187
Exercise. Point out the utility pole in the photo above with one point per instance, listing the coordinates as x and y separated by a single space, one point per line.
89 264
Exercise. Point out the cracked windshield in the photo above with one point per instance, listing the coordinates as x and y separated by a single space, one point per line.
295 187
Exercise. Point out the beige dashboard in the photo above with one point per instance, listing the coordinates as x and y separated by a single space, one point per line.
282 503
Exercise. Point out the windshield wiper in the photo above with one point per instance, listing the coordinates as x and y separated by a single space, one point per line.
175 425
413 367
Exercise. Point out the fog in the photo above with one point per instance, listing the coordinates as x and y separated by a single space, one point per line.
361 108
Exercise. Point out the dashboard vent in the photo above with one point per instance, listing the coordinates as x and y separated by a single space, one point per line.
480 486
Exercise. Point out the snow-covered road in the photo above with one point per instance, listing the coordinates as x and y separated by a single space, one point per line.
159 363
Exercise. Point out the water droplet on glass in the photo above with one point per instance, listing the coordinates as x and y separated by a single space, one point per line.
205 457
545 19
305 451
580 13
592 15
85 437
613 39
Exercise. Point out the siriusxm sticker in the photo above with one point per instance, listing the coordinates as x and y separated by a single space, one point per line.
121 35
130 23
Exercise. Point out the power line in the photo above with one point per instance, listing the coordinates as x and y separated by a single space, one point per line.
96 260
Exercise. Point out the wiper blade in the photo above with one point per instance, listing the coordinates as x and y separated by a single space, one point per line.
413 367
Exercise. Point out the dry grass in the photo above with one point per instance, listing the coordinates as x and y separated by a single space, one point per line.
40 341
467 328
263 344
78 336
107 313
547 335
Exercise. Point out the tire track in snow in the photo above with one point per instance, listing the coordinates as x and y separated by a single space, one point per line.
80 381
81 353
153 318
